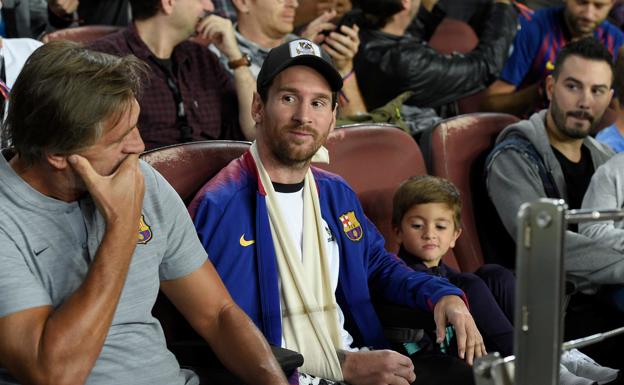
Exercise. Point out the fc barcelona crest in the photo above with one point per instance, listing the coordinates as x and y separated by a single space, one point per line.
145 232
351 226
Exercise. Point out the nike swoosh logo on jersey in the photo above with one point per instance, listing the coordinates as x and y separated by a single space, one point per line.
244 242
37 252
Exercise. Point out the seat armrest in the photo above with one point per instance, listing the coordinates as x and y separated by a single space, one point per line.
198 356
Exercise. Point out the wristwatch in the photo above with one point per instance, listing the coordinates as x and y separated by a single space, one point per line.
244 60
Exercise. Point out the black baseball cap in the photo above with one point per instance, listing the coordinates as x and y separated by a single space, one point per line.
298 52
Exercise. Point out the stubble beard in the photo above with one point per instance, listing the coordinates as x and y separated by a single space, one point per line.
292 156
575 132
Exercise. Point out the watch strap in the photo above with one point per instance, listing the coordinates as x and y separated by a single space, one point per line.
244 60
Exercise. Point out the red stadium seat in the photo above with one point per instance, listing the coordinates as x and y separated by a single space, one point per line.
459 146
457 36
453 36
374 160
187 167
84 34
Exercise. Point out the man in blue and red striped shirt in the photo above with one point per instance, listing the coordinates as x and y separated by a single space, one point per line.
542 34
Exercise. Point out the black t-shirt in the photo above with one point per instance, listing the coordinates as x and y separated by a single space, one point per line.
288 187
577 176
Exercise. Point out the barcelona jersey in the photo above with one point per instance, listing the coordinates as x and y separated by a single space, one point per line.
542 34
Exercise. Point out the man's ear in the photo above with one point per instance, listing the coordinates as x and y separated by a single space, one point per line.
611 98
550 85
241 6
257 108
334 117
57 161
167 6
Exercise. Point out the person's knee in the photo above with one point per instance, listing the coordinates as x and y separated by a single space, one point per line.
472 284
496 274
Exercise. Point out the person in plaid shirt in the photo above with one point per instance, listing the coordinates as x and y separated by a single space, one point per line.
189 96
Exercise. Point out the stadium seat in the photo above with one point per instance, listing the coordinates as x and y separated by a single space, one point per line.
84 34
458 149
374 160
187 167
456 36
453 36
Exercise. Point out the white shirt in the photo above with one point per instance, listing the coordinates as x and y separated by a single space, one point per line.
15 52
291 205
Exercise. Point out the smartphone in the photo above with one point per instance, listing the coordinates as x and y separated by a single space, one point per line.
349 19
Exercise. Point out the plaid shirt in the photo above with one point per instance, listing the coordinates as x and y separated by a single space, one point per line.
207 89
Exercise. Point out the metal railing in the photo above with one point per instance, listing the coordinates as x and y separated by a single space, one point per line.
540 296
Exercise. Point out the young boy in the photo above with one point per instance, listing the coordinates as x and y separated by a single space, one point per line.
426 218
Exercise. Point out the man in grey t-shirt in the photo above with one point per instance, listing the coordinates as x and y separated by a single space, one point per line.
88 235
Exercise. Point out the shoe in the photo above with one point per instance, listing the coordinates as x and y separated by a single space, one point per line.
618 381
581 365
568 378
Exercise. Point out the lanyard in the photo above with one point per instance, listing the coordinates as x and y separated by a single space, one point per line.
181 119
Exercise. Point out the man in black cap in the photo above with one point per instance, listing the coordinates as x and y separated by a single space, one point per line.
296 251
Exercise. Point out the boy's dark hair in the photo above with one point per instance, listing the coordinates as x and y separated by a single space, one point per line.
144 9
425 189
376 13
64 96
587 48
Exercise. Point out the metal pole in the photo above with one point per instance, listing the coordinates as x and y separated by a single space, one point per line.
539 297
577 216
539 292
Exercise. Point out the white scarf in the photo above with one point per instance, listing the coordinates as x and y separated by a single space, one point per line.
309 309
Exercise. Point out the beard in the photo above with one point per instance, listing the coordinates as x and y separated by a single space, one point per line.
575 131
580 26
289 152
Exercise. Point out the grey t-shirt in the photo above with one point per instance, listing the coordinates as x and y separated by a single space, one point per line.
46 247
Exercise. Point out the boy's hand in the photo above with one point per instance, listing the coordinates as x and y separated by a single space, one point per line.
453 310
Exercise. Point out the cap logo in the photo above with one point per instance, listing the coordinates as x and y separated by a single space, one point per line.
303 47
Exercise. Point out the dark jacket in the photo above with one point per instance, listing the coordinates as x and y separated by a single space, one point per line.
387 65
